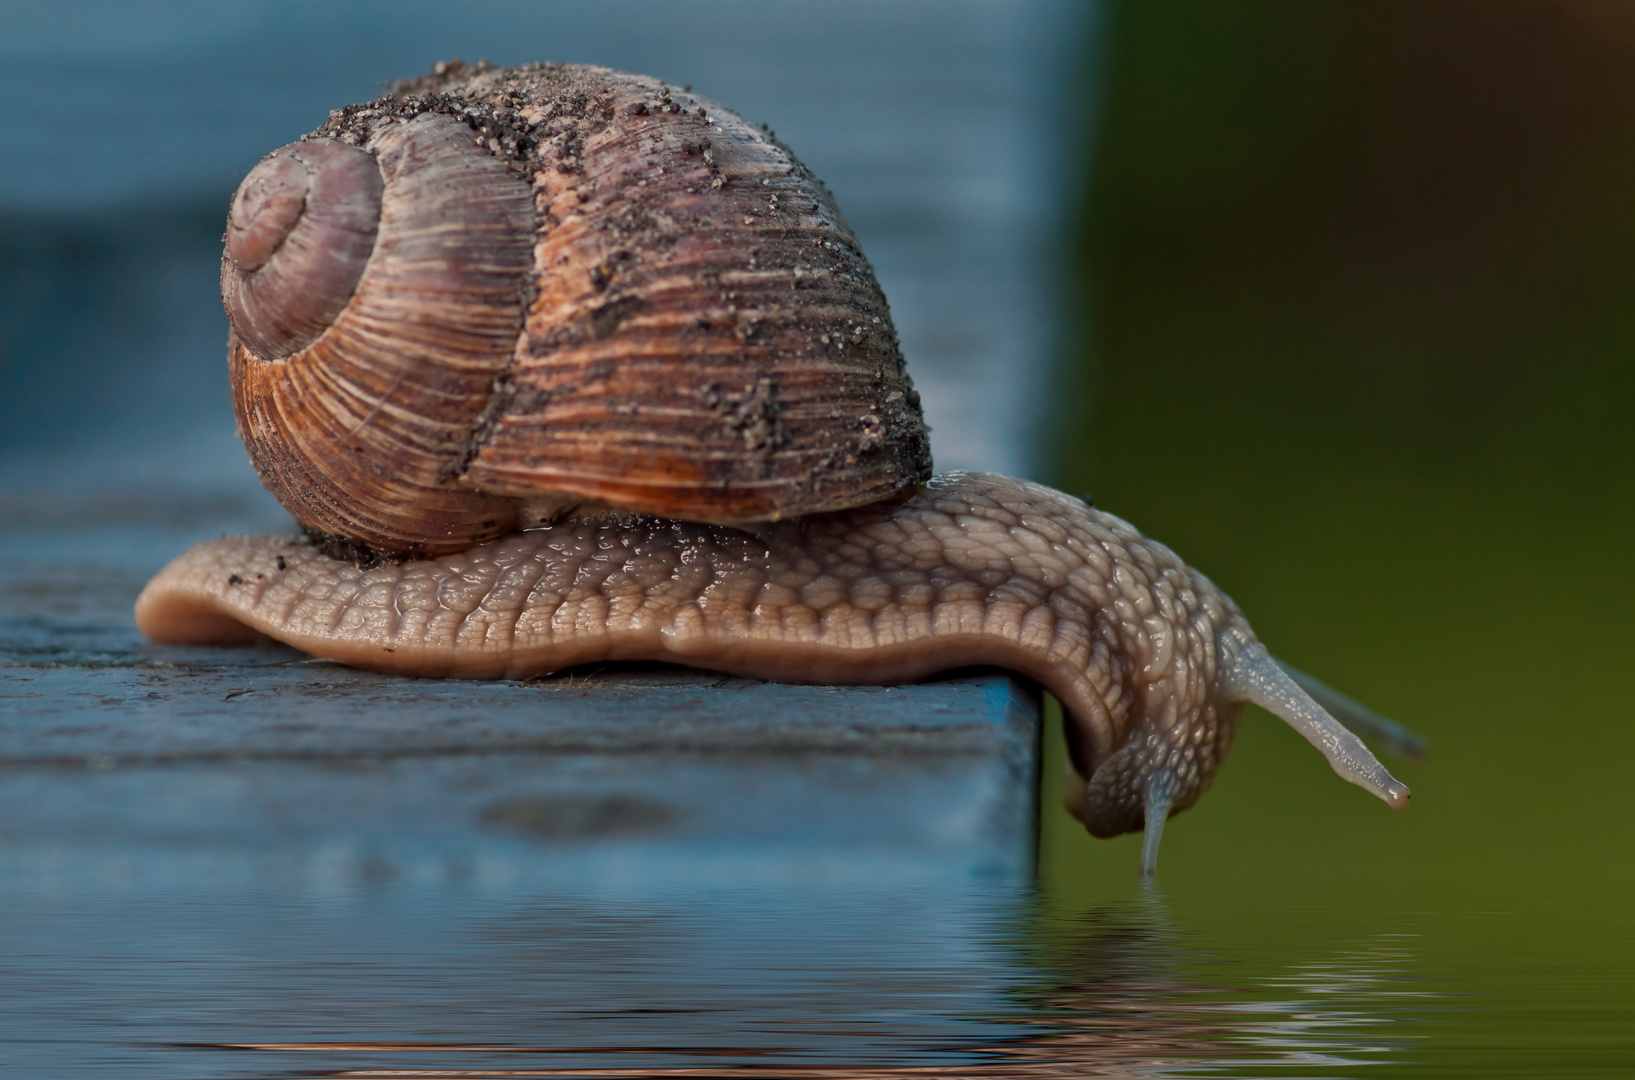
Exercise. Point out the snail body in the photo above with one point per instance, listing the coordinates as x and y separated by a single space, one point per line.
554 365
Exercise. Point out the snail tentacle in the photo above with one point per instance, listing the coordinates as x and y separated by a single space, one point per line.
1160 797
1353 714
1252 675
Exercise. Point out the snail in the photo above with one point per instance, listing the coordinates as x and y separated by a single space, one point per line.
556 364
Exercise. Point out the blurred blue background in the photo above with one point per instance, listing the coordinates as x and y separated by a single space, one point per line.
948 131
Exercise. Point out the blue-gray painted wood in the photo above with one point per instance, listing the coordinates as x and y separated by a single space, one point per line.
656 866
82 694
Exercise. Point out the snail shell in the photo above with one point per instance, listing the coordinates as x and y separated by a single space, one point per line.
489 297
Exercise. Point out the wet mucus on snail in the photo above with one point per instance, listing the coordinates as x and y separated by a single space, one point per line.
556 364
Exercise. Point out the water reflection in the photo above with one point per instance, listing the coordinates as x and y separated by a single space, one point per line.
1124 990
1130 991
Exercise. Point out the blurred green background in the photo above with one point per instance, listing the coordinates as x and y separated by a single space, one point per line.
1357 323
1355 336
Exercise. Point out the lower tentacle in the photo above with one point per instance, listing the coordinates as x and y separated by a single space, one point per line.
1161 788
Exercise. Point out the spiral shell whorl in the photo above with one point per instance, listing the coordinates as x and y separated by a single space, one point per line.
300 231
360 434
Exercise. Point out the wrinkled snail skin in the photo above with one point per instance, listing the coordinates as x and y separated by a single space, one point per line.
1151 662
556 365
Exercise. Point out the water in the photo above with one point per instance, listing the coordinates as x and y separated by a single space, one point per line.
333 967
1170 985
1298 929
347 967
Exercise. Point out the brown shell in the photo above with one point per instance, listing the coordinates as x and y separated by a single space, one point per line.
585 288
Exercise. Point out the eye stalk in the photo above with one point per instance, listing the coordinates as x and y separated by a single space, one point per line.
299 234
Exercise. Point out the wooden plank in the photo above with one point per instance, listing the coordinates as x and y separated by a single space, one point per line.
622 867
82 694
